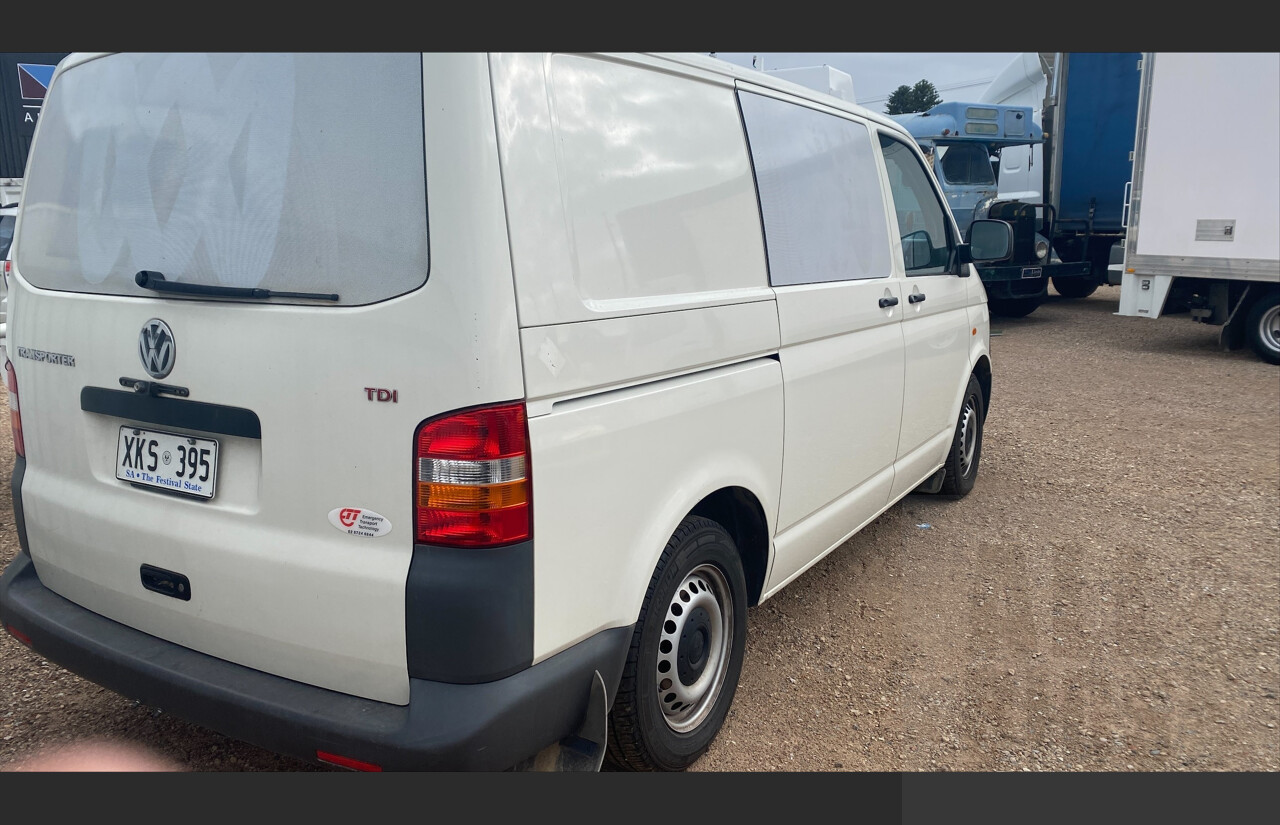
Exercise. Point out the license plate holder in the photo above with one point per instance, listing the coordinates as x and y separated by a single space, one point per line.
173 462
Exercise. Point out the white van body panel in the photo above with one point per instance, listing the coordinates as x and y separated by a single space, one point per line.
564 361
842 358
624 205
936 338
830 527
279 588
600 531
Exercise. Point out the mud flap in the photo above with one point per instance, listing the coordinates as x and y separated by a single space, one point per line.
584 750
1233 332
933 484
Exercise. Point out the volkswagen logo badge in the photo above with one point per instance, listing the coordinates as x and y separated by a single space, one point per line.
157 348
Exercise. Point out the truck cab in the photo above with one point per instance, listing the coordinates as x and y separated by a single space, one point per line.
964 141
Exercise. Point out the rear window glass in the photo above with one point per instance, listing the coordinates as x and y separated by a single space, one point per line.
297 173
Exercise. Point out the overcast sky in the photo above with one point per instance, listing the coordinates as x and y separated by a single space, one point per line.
956 75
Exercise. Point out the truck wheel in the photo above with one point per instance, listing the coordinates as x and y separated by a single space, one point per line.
966 444
1075 287
1264 327
1012 307
686 653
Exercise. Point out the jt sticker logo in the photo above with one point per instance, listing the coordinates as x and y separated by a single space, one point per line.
357 521
34 79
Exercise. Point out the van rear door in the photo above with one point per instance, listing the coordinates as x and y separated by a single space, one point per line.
219 450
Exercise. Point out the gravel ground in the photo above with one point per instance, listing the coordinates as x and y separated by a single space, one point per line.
1105 599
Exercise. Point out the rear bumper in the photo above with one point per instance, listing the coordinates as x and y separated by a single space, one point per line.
486 726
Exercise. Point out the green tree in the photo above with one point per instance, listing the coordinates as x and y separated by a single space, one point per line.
908 99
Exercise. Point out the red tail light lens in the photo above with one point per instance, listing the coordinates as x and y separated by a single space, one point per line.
472 478
15 415
346 762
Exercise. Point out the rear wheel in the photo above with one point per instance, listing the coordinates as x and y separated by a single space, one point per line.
1012 307
966 444
686 653
1264 327
1075 287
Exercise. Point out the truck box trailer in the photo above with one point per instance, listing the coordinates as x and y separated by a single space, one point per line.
1203 222
1087 105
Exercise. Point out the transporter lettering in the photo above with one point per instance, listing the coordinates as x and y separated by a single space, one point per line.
47 357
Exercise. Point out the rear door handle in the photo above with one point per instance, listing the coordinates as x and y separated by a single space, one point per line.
916 297
888 302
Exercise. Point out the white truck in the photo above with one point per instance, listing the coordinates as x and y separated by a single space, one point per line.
824 78
1203 219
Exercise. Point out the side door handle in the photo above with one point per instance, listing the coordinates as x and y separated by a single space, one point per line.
888 302
916 297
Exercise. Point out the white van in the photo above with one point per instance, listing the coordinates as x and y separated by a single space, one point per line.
449 411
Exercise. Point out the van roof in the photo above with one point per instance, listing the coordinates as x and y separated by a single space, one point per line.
724 67
694 60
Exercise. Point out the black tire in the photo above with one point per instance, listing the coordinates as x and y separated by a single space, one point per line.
1013 307
966 444
1263 324
1075 287
693 623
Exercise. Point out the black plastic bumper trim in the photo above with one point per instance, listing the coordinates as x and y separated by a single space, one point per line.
172 412
487 726
15 487
469 612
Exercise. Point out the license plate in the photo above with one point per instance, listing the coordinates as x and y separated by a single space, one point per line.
1031 271
167 461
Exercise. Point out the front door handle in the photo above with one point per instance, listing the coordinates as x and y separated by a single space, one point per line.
916 297
888 302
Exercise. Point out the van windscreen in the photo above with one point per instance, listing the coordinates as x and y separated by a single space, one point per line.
290 173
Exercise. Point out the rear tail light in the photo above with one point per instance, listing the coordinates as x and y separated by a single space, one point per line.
15 415
346 762
472 482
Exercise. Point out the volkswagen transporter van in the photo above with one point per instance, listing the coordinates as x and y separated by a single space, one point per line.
450 411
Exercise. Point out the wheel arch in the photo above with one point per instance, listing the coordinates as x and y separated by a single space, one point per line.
740 513
982 371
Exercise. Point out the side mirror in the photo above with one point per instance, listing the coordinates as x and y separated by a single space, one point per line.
990 241
917 249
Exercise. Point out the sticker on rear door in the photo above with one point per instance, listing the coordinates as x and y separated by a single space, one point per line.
359 522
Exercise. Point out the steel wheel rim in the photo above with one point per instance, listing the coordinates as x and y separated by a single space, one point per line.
968 435
695 641
1270 327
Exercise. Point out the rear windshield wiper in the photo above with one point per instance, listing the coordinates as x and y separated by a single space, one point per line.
148 279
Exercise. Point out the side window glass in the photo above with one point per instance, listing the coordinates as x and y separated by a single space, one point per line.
821 198
926 247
